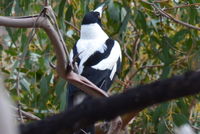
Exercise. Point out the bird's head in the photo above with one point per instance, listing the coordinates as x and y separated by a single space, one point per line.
94 16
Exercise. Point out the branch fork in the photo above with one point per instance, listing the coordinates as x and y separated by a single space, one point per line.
47 21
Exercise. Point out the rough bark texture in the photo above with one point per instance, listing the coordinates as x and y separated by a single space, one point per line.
107 108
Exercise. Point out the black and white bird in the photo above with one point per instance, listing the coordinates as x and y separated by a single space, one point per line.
97 57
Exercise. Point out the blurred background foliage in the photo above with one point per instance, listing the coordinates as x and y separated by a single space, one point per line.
153 48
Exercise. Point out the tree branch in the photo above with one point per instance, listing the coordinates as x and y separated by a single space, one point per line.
133 99
62 66
182 6
27 114
163 13
67 22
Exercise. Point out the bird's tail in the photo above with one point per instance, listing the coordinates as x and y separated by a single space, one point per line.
70 93
74 97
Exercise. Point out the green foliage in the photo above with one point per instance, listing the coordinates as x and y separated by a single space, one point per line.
154 47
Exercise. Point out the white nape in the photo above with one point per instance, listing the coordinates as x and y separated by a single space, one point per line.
92 31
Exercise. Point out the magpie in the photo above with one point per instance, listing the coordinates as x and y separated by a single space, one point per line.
96 56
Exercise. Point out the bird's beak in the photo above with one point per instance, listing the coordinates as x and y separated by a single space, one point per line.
100 9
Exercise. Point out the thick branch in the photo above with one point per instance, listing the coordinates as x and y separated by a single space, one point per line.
107 108
41 22
61 68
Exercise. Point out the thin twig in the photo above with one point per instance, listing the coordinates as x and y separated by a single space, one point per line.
196 128
145 67
74 20
120 82
9 4
127 82
133 60
167 126
30 37
125 52
52 65
27 114
67 22
18 73
182 6
135 49
161 1
165 14
18 101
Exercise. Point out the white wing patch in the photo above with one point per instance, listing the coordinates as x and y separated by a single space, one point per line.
93 39
86 48
111 60
113 71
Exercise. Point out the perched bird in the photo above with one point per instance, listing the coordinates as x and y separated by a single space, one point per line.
97 57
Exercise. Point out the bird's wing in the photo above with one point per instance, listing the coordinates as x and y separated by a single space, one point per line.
101 67
74 58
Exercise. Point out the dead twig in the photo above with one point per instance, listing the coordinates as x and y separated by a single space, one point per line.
127 83
162 12
23 55
26 114
67 22
133 61
165 14
52 65
125 52
145 67
8 5
161 1
182 6
135 48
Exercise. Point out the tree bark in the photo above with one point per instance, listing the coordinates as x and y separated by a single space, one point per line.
62 66
134 99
